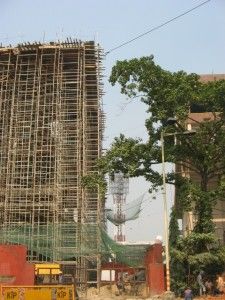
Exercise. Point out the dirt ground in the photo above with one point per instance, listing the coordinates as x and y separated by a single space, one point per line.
108 292
221 297
111 292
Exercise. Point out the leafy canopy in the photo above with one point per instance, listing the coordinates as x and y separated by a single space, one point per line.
172 94
168 94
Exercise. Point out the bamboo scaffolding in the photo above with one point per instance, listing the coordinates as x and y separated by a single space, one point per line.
51 125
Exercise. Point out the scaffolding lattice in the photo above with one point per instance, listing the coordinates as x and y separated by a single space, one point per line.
51 133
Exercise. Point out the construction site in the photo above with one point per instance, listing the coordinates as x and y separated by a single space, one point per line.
51 129
51 133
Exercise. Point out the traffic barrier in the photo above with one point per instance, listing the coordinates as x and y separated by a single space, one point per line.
41 292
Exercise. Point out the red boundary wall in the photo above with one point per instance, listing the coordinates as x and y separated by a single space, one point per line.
155 269
14 269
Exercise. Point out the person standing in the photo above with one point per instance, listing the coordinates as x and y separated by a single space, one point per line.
209 287
202 288
220 285
188 295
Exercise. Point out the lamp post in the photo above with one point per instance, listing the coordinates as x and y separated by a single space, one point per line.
166 228
170 121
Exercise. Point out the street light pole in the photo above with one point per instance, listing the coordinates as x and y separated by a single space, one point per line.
165 209
170 121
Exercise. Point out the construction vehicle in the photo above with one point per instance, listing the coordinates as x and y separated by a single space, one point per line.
54 273
22 280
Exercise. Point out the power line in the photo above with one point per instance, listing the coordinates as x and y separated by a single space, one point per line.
157 27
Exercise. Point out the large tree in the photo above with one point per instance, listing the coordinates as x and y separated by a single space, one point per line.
171 94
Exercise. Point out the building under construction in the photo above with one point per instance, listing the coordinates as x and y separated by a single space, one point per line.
51 134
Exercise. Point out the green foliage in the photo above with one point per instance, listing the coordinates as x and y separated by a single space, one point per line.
166 94
124 155
203 209
174 232
189 255
194 253
95 182
179 271
169 94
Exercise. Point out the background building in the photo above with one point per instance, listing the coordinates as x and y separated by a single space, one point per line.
50 137
196 116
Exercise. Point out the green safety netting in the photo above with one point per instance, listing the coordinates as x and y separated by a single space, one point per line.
129 254
62 242
129 211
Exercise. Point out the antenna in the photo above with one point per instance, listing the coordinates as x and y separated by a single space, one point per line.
119 187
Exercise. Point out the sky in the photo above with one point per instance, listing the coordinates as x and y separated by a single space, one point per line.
194 43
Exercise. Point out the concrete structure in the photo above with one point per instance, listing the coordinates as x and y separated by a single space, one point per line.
198 115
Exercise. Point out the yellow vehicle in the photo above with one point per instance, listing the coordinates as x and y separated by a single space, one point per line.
47 273
47 269
51 273
53 292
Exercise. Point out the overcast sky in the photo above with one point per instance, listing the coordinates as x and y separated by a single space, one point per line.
194 43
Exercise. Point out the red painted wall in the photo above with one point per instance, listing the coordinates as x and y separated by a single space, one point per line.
155 269
153 265
118 267
14 269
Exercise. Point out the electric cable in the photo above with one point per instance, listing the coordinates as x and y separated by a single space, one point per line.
157 27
